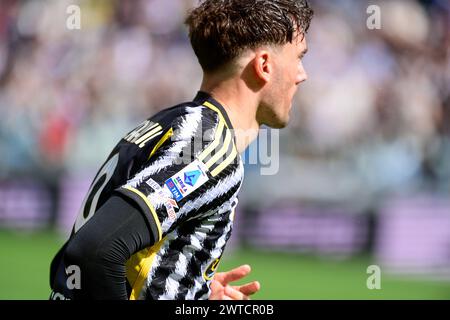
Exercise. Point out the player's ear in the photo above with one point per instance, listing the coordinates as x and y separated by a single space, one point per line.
263 65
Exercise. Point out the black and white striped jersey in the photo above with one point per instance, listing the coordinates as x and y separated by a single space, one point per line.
183 169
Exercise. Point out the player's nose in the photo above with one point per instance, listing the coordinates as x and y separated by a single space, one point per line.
301 77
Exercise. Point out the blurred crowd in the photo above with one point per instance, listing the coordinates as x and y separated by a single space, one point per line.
376 107
374 114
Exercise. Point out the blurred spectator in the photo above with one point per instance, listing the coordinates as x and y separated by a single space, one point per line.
376 100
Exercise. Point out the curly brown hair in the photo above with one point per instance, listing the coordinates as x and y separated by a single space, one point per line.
219 30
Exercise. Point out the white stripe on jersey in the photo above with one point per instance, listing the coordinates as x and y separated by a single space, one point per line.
156 263
171 289
173 281
218 250
215 254
187 130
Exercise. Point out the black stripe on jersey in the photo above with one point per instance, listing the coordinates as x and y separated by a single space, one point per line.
200 257
205 288
209 125
219 200
224 157
166 116
218 148
198 141
201 97
201 292
170 258
207 128
158 284
179 113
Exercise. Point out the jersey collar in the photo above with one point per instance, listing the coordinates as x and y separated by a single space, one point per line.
203 97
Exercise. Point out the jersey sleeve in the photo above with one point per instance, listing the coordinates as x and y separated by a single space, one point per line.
187 176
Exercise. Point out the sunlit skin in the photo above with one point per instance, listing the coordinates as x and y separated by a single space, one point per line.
222 290
258 87
288 73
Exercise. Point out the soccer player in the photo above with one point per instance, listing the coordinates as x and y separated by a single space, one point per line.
160 211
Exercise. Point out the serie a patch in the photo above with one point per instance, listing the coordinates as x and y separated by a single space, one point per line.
186 181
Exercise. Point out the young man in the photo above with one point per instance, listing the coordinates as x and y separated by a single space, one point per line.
159 212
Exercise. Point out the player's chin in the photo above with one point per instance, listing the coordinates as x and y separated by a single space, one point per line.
283 121
278 120
283 124
279 123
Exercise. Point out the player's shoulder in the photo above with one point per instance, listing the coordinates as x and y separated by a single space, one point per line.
186 116
205 122
201 116
200 125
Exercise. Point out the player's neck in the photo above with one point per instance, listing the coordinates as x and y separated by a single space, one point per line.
240 106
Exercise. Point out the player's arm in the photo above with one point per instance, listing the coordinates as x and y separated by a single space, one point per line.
103 245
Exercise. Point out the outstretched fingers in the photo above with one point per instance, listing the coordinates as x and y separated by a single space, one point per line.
233 275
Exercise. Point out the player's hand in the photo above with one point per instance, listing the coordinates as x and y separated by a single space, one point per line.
221 290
